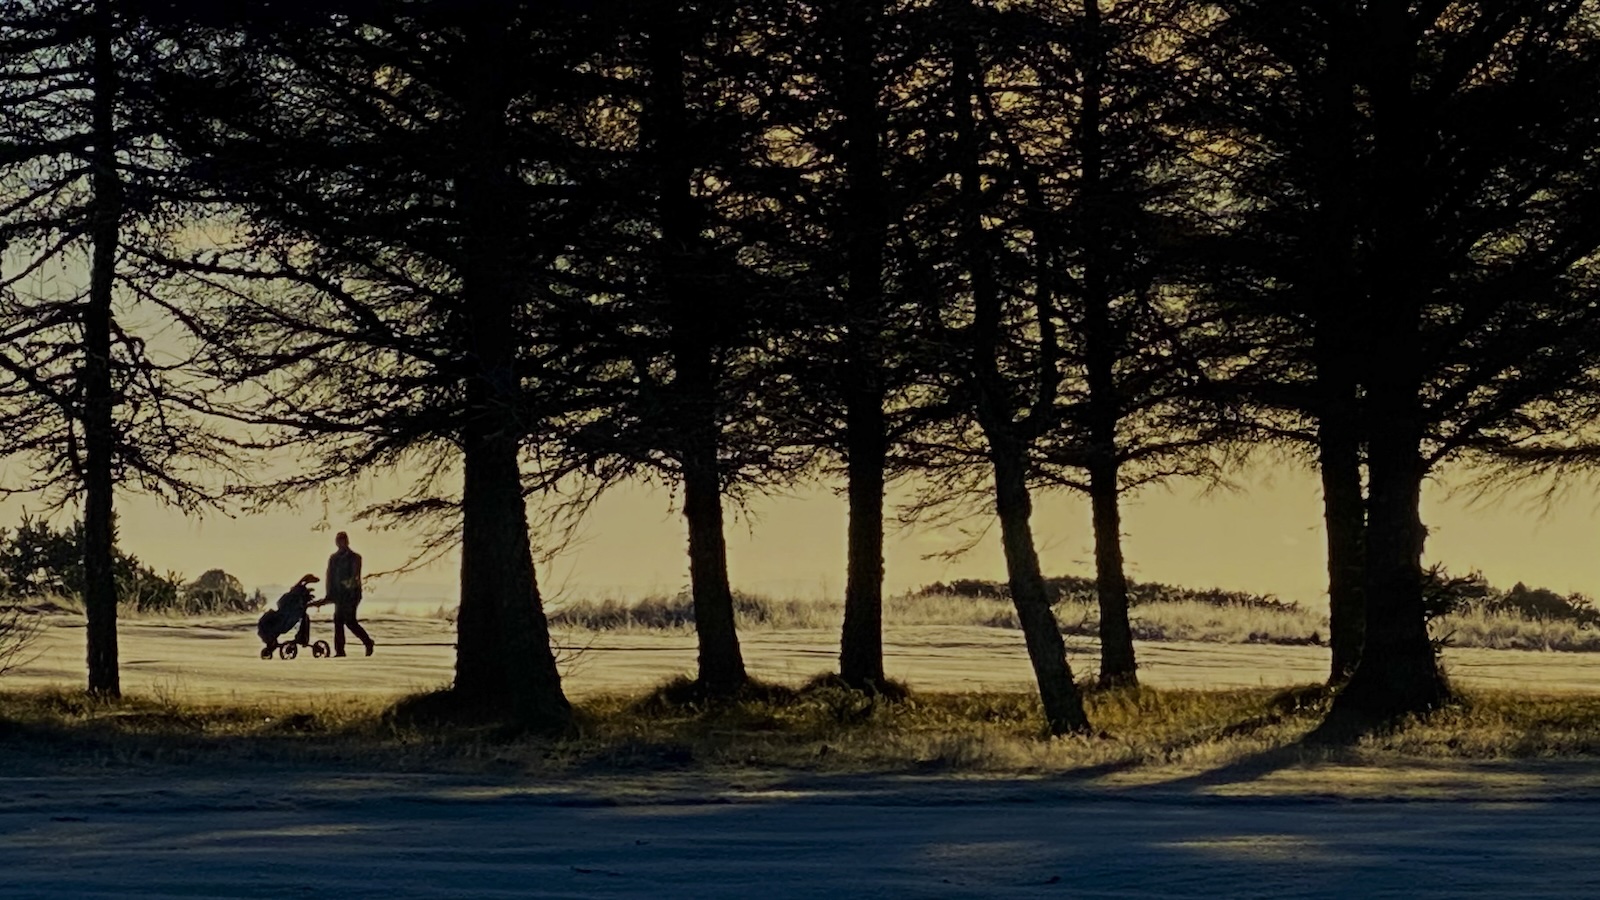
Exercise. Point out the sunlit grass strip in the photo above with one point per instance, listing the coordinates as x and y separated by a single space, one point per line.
1183 620
1158 620
817 728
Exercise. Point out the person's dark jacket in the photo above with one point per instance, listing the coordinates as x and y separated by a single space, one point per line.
344 577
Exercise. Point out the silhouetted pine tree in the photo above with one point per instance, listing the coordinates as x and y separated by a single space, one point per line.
694 273
1105 201
1290 261
999 344
853 110
1446 159
386 290
1080 349
83 397
864 220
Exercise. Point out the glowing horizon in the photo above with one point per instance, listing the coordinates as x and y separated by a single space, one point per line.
1265 538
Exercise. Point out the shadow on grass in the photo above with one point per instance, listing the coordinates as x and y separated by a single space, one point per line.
491 718
821 726
821 729
1251 768
1320 744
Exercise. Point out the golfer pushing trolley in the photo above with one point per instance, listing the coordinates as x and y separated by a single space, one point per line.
344 592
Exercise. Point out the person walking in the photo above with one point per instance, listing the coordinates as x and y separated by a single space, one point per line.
344 592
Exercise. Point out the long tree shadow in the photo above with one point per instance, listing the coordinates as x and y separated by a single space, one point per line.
1252 768
1258 765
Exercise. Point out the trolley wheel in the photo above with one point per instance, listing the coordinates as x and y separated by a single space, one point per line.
289 650
321 649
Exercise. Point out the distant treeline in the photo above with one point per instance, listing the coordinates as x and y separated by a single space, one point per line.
42 563
1444 594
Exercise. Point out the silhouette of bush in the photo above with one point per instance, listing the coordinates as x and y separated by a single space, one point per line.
37 560
1543 605
1445 594
216 592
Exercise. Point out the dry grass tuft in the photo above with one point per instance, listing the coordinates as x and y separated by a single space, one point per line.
890 689
1502 725
683 693
1501 630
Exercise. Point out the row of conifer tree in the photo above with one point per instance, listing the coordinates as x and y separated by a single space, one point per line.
520 252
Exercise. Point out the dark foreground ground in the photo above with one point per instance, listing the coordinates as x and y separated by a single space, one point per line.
1515 830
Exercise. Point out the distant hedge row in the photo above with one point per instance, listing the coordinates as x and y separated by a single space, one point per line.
1075 587
1443 594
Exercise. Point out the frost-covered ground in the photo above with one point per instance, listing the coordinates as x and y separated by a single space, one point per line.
1522 830
218 658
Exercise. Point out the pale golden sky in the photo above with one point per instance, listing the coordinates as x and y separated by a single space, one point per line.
1266 537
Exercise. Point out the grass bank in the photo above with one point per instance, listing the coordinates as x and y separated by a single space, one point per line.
1162 620
819 728
1213 619
1502 630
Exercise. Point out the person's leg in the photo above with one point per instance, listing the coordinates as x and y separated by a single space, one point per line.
341 615
356 629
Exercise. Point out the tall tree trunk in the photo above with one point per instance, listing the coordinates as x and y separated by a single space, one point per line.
1117 663
503 655
1063 704
722 669
694 384
866 440
480 672
1333 290
1118 666
1345 518
861 642
1398 674
99 429
508 665
1008 439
